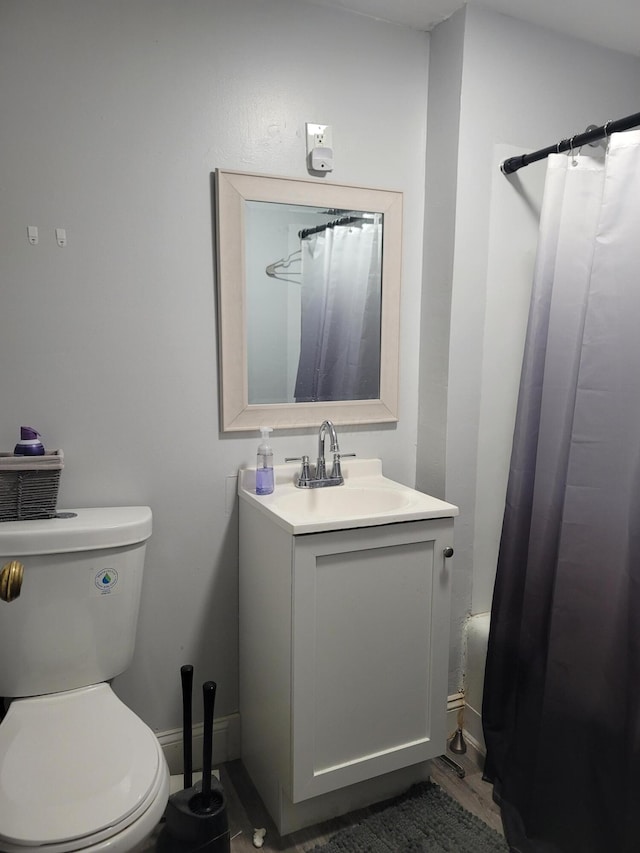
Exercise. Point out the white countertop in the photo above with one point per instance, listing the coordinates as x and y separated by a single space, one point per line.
366 499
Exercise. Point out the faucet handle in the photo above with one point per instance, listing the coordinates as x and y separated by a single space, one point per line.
336 468
305 473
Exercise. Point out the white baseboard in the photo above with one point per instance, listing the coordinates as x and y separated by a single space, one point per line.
226 743
455 713
473 729
226 735
460 715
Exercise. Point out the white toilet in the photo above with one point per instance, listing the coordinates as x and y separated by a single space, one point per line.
78 769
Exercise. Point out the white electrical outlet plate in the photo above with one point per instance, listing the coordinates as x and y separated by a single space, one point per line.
319 136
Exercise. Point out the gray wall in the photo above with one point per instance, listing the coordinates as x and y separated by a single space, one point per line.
114 114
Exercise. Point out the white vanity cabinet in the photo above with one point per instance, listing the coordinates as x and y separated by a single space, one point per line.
344 638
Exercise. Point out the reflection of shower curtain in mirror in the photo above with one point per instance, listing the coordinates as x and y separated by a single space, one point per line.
340 322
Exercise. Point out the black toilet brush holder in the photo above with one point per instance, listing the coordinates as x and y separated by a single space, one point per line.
196 817
191 825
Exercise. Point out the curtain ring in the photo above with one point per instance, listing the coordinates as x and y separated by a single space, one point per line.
606 128
574 162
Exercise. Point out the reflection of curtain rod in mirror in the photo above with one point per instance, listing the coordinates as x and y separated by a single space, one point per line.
343 220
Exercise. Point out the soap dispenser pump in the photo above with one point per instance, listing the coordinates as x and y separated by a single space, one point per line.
264 464
29 444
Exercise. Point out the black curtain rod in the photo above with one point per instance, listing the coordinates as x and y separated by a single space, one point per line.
592 135
343 220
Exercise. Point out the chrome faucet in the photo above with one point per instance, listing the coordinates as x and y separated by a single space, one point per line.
321 466
310 479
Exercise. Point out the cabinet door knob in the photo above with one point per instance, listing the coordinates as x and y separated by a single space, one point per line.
448 552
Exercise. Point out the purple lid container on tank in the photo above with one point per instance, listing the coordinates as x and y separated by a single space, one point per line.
29 444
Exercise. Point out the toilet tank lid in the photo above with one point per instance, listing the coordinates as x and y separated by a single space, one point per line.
76 530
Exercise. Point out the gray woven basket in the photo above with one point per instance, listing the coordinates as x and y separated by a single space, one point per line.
29 485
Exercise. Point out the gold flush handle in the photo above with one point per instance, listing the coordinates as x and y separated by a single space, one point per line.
11 580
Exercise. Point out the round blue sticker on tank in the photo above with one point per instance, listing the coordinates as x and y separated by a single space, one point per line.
106 580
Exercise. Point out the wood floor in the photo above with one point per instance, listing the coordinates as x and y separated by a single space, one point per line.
246 811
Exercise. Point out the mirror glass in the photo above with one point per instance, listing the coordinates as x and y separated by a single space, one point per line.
308 287
313 293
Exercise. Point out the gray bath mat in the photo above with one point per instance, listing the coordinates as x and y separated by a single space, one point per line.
424 820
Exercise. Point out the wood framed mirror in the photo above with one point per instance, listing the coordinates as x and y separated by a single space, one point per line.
308 279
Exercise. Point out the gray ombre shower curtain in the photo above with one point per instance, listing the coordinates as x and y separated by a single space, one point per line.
340 329
561 708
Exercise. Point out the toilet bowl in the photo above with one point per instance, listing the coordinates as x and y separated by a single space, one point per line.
78 769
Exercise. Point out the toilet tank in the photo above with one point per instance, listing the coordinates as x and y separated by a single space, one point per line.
74 621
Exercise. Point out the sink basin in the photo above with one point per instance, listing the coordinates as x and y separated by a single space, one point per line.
337 500
367 498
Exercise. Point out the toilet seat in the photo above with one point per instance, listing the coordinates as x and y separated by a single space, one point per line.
76 768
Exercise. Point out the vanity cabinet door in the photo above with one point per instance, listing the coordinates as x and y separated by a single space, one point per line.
369 652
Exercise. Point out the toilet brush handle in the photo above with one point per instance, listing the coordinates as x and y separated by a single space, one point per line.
209 698
186 675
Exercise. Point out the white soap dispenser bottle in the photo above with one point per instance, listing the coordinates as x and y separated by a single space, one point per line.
264 464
